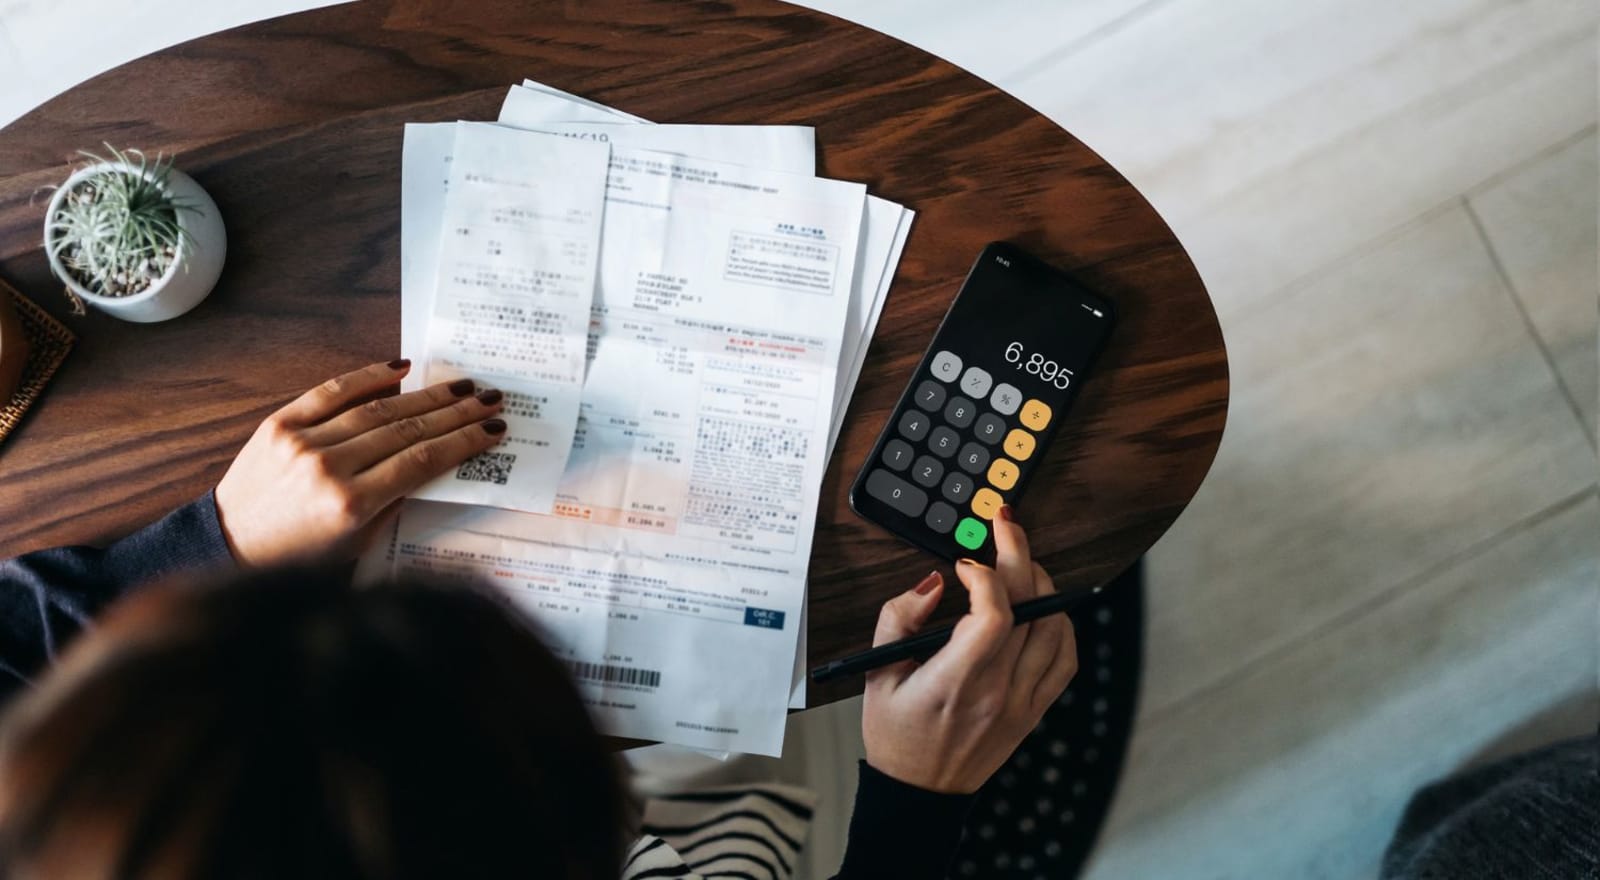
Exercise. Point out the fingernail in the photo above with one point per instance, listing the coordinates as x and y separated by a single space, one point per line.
927 584
965 561
399 363
494 427
489 397
1007 514
460 387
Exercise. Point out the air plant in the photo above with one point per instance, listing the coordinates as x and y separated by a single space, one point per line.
117 231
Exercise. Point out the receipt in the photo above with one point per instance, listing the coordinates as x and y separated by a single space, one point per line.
672 577
514 285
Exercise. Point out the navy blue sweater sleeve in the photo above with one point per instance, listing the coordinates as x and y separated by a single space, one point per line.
901 831
47 596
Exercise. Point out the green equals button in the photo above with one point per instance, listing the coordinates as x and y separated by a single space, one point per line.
970 533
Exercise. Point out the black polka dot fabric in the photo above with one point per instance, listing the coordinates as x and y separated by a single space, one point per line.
1038 817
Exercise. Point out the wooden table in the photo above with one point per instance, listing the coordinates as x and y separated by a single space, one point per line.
294 126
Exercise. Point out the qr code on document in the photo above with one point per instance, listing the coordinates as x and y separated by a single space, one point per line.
487 467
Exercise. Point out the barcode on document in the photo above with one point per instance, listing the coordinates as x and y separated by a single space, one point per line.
487 467
609 674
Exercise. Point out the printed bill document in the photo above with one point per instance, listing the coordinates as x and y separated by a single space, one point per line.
727 306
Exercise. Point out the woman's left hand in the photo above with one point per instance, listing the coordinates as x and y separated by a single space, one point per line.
317 478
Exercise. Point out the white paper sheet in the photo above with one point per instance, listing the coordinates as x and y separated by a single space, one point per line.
48 46
514 287
883 231
677 563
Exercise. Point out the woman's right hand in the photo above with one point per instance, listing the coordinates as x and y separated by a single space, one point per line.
948 724
316 479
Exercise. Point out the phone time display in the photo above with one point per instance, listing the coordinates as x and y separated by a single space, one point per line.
1036 364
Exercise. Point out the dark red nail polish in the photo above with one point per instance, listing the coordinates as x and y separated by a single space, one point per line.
1007 514
489 397
399 363
494 427
460 387
927 584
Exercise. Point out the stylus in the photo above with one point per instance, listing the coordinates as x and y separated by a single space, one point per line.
924 645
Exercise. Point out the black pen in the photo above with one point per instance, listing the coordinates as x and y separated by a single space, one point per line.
924 645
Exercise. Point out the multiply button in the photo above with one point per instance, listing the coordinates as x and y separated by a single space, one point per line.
1035 414
1019 444
1006 399
985 502
946 366
976 382
1003 474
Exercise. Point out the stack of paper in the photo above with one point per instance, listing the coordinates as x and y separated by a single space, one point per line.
677 315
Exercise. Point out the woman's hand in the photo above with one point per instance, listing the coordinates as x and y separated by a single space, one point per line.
317 477
948 724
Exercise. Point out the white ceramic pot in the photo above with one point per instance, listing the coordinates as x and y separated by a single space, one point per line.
190 277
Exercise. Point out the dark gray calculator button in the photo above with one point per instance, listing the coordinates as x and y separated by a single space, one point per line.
990 428
927 471
943 441
973 458
960 412
896 493
958 487
914 424
897 454
930 395
941 517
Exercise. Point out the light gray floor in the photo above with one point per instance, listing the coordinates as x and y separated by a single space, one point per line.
1391 569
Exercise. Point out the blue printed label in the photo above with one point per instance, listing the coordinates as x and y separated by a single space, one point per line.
764 617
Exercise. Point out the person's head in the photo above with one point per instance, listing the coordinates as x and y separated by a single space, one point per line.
287 725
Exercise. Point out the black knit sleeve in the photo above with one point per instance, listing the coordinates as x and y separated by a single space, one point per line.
47 596
901 831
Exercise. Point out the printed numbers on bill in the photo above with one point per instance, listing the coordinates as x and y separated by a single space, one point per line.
487 467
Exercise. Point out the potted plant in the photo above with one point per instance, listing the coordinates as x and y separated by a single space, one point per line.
135 238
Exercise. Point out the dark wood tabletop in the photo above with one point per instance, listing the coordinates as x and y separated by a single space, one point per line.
294 127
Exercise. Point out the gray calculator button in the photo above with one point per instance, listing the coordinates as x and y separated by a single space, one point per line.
976 382
946 367
927 471
958 487
930 395
914 425
990 429
897 454
896 493
973 458
1006 399
943 441
941 517
959 411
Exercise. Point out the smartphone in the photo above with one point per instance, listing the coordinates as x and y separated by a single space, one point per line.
982 407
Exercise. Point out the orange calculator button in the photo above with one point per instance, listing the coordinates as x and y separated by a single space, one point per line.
1019 444
1003 474
986 502
1036 414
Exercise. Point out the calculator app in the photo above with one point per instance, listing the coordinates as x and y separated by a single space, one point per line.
983 404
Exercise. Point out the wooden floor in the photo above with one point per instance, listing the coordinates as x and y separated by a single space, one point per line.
1392 569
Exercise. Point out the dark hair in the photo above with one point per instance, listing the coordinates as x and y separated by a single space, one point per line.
288 725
